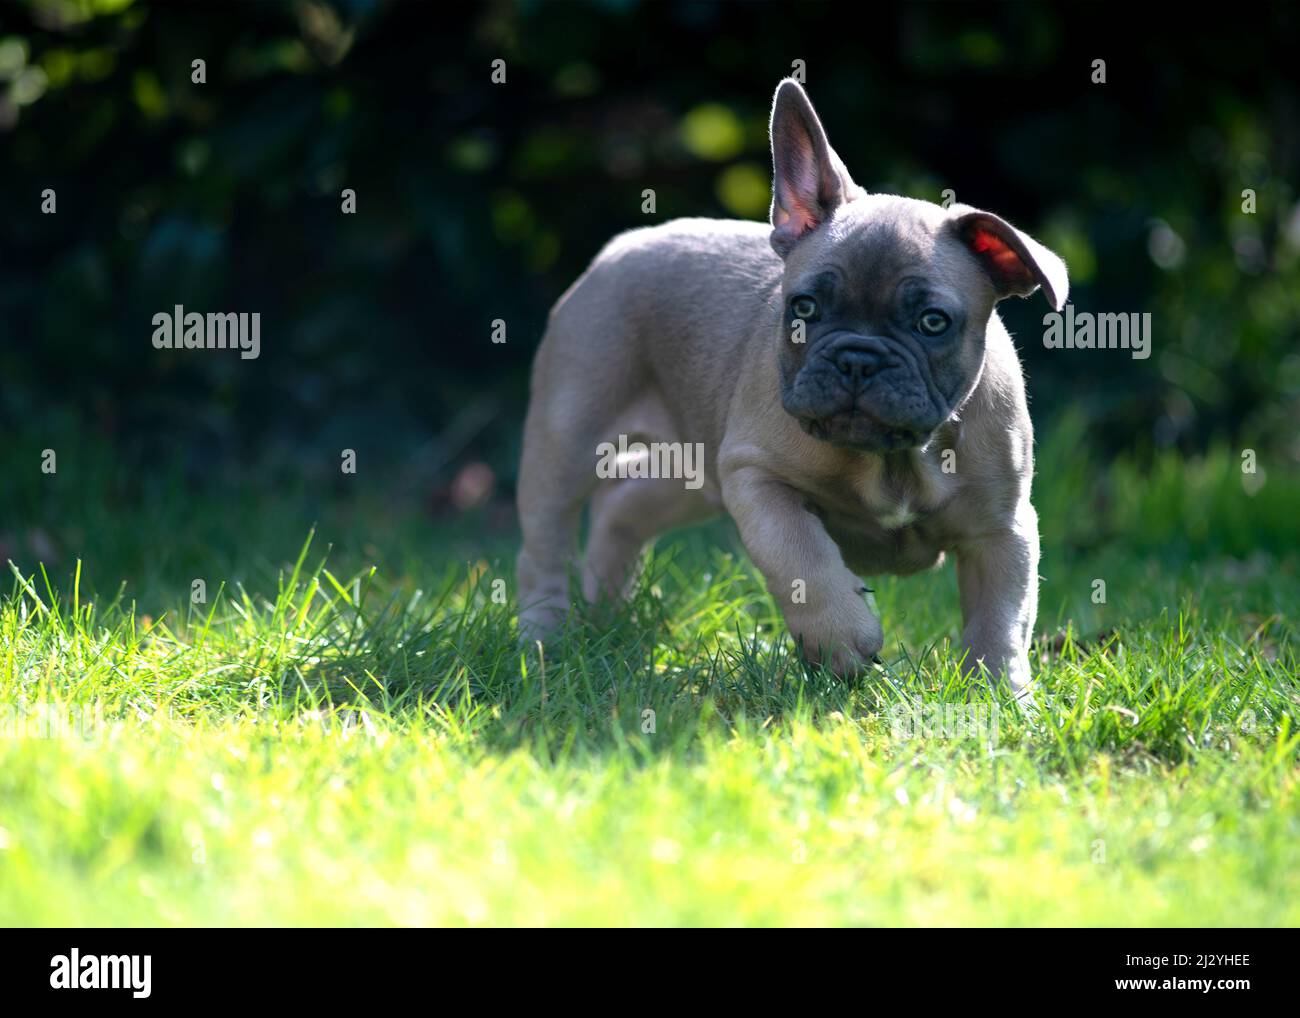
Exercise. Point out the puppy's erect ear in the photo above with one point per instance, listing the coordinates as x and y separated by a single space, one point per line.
808 180
1015 262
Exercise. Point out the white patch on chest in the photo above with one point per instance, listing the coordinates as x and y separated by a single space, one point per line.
898 504
897 517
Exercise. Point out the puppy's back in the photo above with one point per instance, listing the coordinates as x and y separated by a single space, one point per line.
667 310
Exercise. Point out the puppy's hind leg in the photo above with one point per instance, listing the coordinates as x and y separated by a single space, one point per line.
626 515
556 475
585 377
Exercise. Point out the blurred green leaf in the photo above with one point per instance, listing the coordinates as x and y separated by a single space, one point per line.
713 132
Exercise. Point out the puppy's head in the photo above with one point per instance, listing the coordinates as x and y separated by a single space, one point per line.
886 299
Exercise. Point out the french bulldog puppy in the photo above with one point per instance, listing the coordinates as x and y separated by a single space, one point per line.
860 406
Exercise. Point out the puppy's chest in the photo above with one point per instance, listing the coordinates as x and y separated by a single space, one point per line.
888 511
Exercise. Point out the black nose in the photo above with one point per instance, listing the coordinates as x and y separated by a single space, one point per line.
856 364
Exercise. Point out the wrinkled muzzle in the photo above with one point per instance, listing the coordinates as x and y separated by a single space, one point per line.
866 392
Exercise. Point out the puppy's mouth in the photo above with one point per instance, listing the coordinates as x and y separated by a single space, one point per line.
854 429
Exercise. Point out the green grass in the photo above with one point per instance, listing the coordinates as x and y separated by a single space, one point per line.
349 734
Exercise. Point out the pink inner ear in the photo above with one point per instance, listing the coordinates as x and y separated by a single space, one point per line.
1004 259
799 190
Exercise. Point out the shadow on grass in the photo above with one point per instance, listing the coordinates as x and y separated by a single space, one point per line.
699 652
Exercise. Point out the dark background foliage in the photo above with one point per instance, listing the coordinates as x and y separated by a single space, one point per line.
478 201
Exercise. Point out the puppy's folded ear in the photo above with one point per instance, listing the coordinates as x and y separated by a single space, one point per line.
808 179
1015 262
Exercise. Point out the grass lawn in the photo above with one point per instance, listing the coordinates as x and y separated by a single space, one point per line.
354 739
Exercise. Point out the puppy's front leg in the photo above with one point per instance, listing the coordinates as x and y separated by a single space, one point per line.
997 576
820 597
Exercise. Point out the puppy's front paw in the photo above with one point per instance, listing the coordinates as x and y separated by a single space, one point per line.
1021 682
539 622
837 631
1011 664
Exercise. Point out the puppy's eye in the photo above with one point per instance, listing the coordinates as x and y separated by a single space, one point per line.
933 323
803 307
